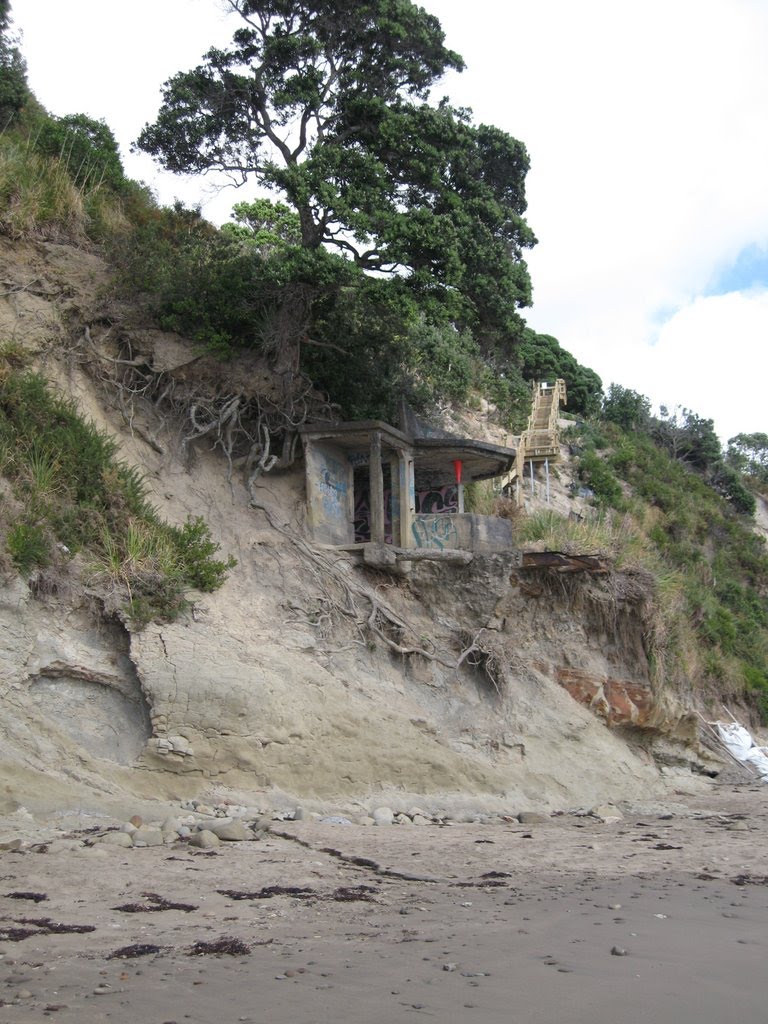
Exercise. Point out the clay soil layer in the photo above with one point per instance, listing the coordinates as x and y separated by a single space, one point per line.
661 917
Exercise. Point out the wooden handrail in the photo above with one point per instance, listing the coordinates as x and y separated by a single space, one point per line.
539 441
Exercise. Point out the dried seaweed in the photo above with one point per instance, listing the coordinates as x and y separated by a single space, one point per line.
225 946
131 952
298 892
36 897
353 893
40 926
154 903
750 880
16 934
47 926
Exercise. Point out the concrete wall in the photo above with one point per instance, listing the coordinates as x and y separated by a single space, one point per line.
466 532
330 493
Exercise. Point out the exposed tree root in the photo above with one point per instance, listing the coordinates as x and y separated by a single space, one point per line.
256 431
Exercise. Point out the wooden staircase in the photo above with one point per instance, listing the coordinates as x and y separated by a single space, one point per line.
540 441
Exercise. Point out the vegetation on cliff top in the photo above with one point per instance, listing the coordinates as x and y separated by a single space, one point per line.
670 485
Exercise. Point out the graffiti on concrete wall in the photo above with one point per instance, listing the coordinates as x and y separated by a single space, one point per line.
438 501
435 531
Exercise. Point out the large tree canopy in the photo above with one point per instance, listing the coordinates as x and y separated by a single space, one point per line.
326 105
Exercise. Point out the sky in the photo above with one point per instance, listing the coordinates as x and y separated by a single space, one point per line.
647 129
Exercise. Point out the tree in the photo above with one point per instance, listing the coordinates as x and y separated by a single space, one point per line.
541 358
748 454
13 70
326 105
688 438
627 408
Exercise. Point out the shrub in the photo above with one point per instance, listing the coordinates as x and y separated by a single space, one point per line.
75 493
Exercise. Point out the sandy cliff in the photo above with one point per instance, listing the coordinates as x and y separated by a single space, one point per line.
272 685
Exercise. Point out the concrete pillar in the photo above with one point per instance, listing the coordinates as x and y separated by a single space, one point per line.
406 487
376 478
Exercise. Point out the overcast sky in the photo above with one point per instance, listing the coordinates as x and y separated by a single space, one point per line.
647 127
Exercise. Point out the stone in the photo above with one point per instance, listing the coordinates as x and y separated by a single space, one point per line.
618 951
137 821
533 818
11 845
365 819
403 819
334 819
738 826
116 839
420 819
205 840
128 827
608 814
231 831
171 825
299 814
383 816
146 836
205 809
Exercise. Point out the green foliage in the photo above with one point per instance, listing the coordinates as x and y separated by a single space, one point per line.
626 408
14 91
722 565
28 546
688 438
748 455
542 359
86 148
596 474
195 550
324 104
76 496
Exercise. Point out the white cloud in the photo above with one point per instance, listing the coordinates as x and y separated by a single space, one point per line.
713 355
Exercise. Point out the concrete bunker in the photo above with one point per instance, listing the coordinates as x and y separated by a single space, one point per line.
372 484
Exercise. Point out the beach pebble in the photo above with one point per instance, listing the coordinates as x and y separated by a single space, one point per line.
205 840
609 814
532 818
420 819
383 816
231 831
146 836
618 951
299 814
403 819
738 826
334 819
116 839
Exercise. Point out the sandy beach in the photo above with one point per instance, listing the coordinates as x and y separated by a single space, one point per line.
662 916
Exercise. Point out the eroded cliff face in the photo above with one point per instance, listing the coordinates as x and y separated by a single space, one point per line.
274 683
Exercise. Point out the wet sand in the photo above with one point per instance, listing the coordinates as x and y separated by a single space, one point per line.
661 917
